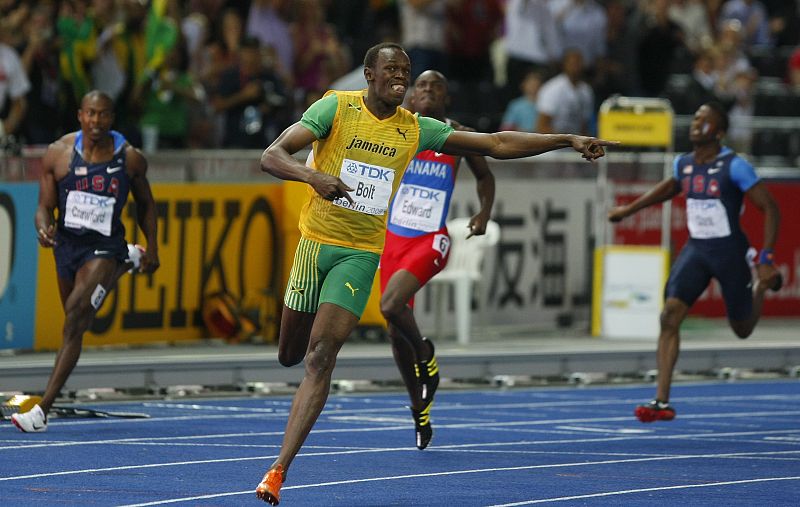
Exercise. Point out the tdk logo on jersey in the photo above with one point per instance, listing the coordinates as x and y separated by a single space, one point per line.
427 168
703 204
370 171
91 199
423 193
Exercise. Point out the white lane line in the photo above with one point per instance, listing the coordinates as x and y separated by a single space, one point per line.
445 406
433 474
484 423
371 451
483 427
623 431
645 490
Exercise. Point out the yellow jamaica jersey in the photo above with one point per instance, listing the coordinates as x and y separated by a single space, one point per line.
370 156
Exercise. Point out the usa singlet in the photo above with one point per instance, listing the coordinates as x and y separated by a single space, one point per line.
91 196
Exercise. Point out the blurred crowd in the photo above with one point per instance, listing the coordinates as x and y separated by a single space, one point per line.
234 73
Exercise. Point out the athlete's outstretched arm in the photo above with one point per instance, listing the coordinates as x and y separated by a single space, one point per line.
507 145
664 191
277 160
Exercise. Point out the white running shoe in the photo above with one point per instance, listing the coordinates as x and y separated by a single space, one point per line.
32 421
134 257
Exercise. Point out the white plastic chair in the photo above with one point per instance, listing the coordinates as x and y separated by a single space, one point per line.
464 268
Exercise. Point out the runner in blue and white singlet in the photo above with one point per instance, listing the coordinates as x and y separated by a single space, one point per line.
84 185
714 181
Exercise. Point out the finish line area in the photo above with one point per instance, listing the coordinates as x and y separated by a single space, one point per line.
732 442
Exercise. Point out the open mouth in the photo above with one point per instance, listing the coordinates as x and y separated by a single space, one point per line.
399 88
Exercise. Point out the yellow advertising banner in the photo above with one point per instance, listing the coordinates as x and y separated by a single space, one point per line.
212 237
632 128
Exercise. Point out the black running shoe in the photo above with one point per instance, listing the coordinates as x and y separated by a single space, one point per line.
428 376
422 425
655 411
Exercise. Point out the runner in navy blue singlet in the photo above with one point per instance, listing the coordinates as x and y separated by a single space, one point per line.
714 181
87 176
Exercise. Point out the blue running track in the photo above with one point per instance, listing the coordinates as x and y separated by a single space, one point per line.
731 444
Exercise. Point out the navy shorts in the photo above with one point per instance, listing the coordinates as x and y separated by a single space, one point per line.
72 252
695 267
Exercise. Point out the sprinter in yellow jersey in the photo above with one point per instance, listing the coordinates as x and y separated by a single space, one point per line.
362 144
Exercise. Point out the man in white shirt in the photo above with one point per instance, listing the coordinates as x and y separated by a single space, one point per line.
566 102
14 86
583 24
533 41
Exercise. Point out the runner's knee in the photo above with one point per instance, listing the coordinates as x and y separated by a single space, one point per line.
391 306
321 359
670 318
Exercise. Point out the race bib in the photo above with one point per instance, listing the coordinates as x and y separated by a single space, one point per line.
418 208
89 211
441 243
707 219
371 184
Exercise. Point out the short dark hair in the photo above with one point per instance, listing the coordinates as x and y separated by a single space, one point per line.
372 53
721 113
97 94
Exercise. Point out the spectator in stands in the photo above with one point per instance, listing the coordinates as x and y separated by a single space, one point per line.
692 17
14 14
533 41
659 43
753 18
320 58
472 27
784 22
196 29
731 59
583 24
740 131
40 61
566 102
222 51
78 40
614 73
266 22
521 113
248 96
702 85
423 23
107 70
169 95
14 87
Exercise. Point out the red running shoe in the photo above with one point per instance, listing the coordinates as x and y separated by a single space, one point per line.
269 489
655 411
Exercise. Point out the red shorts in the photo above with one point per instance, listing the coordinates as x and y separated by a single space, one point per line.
422 256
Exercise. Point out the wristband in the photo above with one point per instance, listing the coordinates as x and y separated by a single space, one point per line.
766 256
